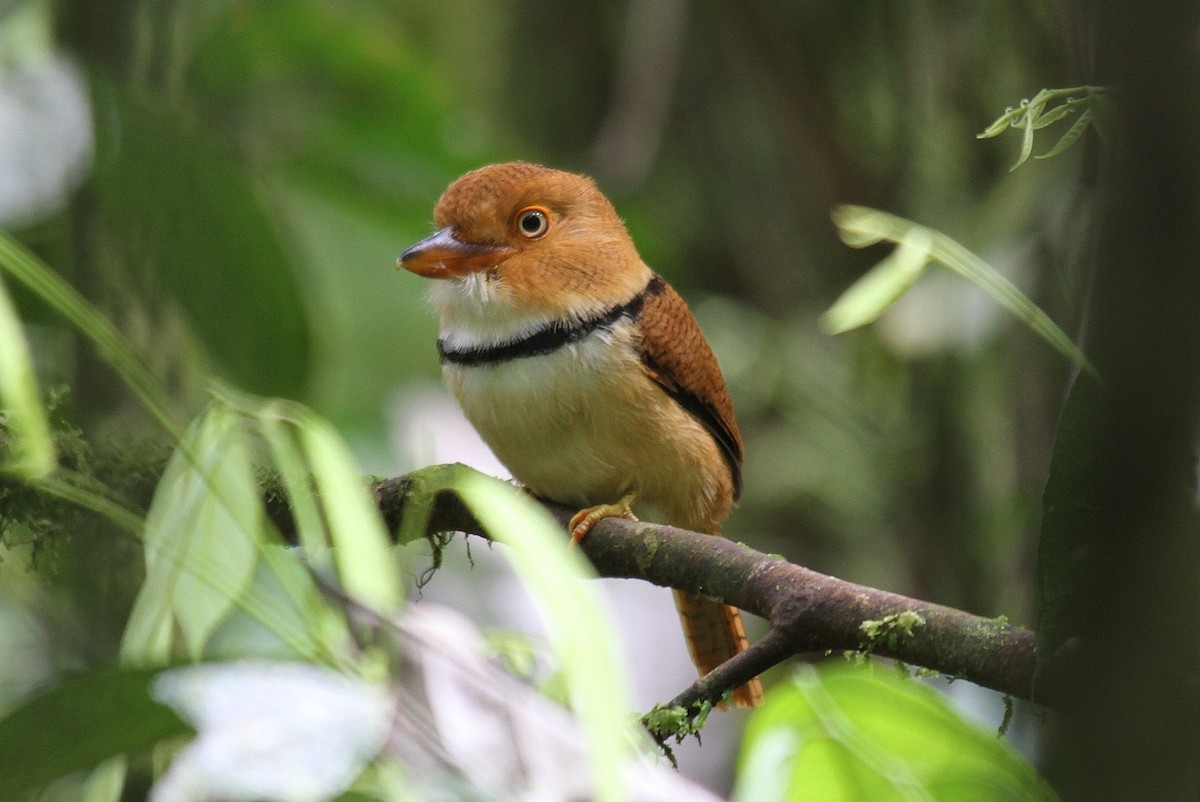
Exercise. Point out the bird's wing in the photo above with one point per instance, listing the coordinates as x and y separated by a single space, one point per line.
678 358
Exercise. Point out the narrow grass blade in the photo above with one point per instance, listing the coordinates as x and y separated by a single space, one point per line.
76 489
872 223
278 422
870 296
31 449
556 578
62 297
363 552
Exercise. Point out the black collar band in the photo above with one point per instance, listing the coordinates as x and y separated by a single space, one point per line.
552 336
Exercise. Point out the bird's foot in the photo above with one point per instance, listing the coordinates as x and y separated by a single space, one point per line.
583 521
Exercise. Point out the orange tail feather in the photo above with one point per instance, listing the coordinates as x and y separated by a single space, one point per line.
715 633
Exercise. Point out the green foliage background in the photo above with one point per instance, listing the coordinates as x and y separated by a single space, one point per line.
258 166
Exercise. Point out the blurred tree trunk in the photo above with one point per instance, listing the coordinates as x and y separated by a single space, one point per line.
1119 537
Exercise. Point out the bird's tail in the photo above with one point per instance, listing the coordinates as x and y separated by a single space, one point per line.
715 633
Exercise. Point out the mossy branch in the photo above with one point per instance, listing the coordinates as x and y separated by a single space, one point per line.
808 612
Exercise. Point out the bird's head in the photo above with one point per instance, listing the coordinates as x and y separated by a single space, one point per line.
527 236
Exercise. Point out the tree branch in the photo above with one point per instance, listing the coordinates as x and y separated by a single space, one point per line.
808 612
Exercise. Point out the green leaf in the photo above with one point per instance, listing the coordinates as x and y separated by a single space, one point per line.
858 734
203 544
277 421
871 295
176 199
201 538
766 771
106 781
857 225
1029 116
280 422
1032 111
1055 114
877 225
558 579
1070 137
78 723
999 126
363 552
288 430
31 449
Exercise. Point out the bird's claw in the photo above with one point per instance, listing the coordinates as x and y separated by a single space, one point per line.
582 522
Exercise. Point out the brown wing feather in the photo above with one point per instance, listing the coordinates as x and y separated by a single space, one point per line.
679 359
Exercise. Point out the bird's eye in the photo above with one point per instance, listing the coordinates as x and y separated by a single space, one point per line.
533 222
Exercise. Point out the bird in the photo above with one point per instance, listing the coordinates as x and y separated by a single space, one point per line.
582 369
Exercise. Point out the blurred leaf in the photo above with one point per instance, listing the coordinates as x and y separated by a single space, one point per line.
284 585
856 227
210 503
580 630
871 295
338 96
355 131
62 297
106 782
28 449
766 771
178 202
363 551
271 730
203 549
856 734
285 427
866 223
277 422
280 423
200 539
78 723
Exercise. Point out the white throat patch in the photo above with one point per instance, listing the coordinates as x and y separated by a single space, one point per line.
478 311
